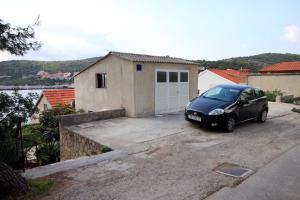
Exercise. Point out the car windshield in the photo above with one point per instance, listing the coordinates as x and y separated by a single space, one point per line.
222 94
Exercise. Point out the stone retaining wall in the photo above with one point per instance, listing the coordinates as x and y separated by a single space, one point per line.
73 145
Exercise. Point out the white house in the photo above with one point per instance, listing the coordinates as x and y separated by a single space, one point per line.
212 77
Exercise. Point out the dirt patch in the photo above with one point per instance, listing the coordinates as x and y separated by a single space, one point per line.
152 151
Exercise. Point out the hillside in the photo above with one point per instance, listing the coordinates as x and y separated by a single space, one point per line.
254 63
22 72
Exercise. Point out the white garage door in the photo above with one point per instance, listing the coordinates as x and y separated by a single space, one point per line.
171 90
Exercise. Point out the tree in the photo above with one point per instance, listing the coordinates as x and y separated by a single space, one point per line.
49 121
12 108
48 151
18 40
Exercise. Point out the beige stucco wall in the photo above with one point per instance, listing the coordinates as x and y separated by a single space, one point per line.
126 87
144 85
40 108
119 91
287 83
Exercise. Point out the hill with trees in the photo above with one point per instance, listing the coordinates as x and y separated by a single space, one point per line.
254 63
24 72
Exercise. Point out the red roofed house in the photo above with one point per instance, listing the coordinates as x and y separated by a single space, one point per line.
284 67
51 98
284 76
212 77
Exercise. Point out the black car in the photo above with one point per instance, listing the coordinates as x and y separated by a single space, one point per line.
227 105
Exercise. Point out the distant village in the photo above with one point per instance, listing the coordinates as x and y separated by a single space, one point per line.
56 76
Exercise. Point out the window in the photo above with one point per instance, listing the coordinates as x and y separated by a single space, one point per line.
161 77
138 67
259 93
45 107
184 77
173 76
101 80
247 95
222 94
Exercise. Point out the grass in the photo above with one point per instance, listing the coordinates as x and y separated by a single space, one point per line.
39 187
105 149
296 110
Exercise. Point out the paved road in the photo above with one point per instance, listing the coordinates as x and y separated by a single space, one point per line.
180 166
279 180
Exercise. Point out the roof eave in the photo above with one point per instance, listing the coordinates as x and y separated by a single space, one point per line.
86 68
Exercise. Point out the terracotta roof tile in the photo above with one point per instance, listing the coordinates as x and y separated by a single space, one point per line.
61 96
283 67
236 76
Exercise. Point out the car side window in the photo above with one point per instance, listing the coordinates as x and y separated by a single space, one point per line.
247 95
259 93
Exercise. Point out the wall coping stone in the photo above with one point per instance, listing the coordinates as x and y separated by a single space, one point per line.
74 119
274 74
73 164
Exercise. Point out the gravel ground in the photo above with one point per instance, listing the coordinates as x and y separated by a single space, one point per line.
180 166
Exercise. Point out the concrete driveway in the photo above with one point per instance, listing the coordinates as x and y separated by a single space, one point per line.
169 158
123 132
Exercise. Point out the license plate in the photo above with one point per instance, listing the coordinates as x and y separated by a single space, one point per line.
193 117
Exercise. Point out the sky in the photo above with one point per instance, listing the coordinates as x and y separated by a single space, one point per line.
191 29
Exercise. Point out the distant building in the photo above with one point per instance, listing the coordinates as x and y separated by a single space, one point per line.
212 77
283 67
142 84
51 98
284 76
75 73
43 74
55 76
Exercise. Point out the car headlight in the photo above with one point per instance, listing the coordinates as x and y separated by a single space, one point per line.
217 111
187 105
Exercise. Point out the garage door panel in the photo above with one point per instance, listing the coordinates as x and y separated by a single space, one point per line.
171 91
184 94
173 97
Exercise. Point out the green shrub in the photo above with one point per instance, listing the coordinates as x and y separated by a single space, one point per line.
49 121
32 132
292 101
296 110
271 95
105 149
47 153
46 134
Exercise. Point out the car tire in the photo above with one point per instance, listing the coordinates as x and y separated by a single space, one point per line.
230 125
262 117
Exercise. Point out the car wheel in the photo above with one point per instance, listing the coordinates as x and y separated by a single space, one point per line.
262 116
230 124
